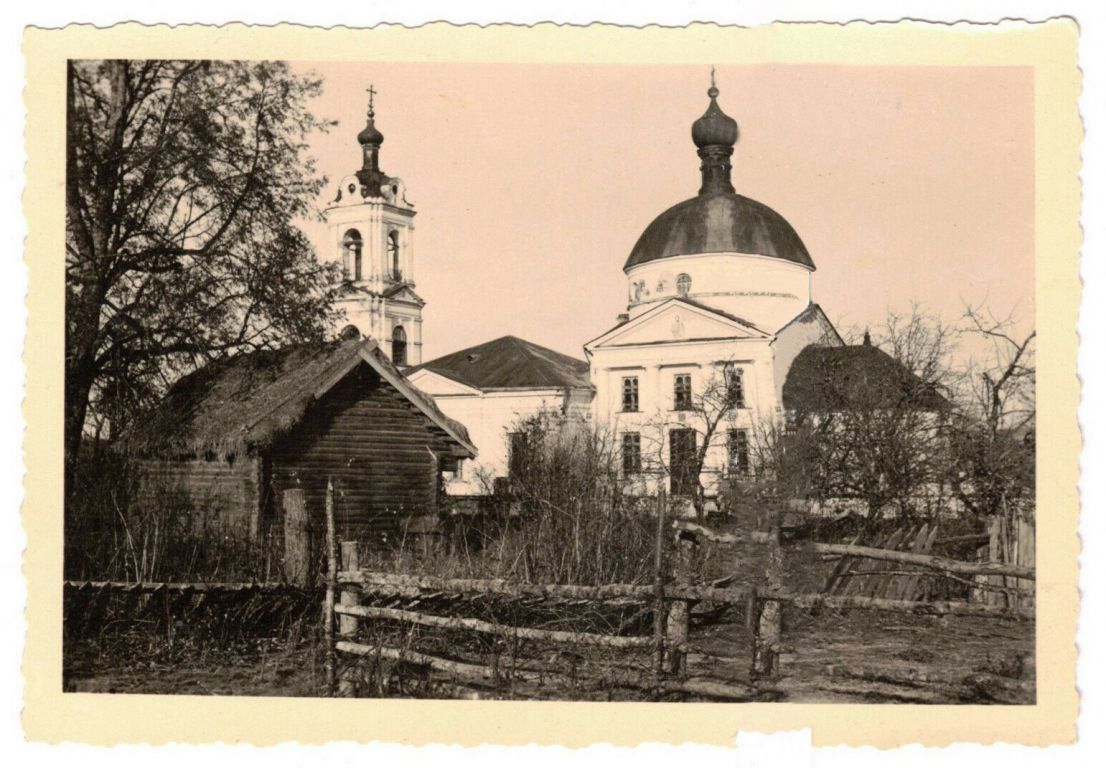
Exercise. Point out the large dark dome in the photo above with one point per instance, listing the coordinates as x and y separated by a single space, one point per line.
719 223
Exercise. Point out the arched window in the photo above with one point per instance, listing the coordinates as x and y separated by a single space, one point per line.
683 284
393 255
351 255
399 345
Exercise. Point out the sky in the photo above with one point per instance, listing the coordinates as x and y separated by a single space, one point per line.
533 182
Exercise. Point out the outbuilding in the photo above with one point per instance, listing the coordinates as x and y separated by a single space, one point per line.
243 436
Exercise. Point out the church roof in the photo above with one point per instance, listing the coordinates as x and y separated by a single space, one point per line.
823 379
509 363
718 220
719 223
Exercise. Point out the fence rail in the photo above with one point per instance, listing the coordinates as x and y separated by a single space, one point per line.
670 599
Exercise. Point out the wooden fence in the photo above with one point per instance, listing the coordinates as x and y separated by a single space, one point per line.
353 597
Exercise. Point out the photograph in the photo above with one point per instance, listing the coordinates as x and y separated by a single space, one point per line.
704 383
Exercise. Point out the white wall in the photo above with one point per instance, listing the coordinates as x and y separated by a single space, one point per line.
489 417
767 292
656 366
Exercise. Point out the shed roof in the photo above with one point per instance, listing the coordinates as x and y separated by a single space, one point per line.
250 399
509 363
823 379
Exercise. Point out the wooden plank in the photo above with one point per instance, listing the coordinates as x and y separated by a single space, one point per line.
487 627
934 562
871 585
388 583
331 588
658 589
482 673
347 623
933 608
297 538
840 571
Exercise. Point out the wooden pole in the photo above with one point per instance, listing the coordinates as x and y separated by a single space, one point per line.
679 614
347 623
331 587
297 542
658 588
766 642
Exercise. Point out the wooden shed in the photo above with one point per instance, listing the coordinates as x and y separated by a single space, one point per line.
240 433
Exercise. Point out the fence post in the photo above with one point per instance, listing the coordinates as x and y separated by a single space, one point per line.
331 587
658 589
679 614
297 541
766 636
347 625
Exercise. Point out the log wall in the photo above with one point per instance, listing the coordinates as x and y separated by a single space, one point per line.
378 447
217 495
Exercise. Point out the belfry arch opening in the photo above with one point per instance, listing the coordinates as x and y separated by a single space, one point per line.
393 255
399 346
352 248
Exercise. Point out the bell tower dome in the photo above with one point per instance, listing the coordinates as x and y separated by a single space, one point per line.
371 232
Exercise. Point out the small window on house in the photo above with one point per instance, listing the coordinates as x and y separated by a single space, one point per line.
351 255
735 388
629 394
739 452
399 346
393 255
683 284
631 453
682 392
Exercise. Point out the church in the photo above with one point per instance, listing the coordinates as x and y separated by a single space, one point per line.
719 305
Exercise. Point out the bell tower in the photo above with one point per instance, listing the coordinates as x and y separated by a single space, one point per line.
371 234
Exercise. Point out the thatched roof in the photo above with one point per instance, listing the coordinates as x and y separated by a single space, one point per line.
232 405
824 379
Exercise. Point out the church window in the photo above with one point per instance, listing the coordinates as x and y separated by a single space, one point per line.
739 452
629 394
399 345
351 255
631 453
735 388
393 255
683 284
682 393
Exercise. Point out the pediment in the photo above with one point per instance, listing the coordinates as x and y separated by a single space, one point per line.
674 322
403 294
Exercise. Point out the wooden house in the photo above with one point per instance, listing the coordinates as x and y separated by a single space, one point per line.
239 434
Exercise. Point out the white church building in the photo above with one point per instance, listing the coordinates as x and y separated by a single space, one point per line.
719 306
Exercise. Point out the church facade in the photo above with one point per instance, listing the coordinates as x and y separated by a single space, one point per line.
719 306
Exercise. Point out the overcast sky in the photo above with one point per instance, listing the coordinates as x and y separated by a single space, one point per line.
532 182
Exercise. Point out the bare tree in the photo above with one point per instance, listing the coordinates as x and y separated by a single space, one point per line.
868 421
993 438
706 415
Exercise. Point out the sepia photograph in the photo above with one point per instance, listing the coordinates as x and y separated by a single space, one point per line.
702 383
555 385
